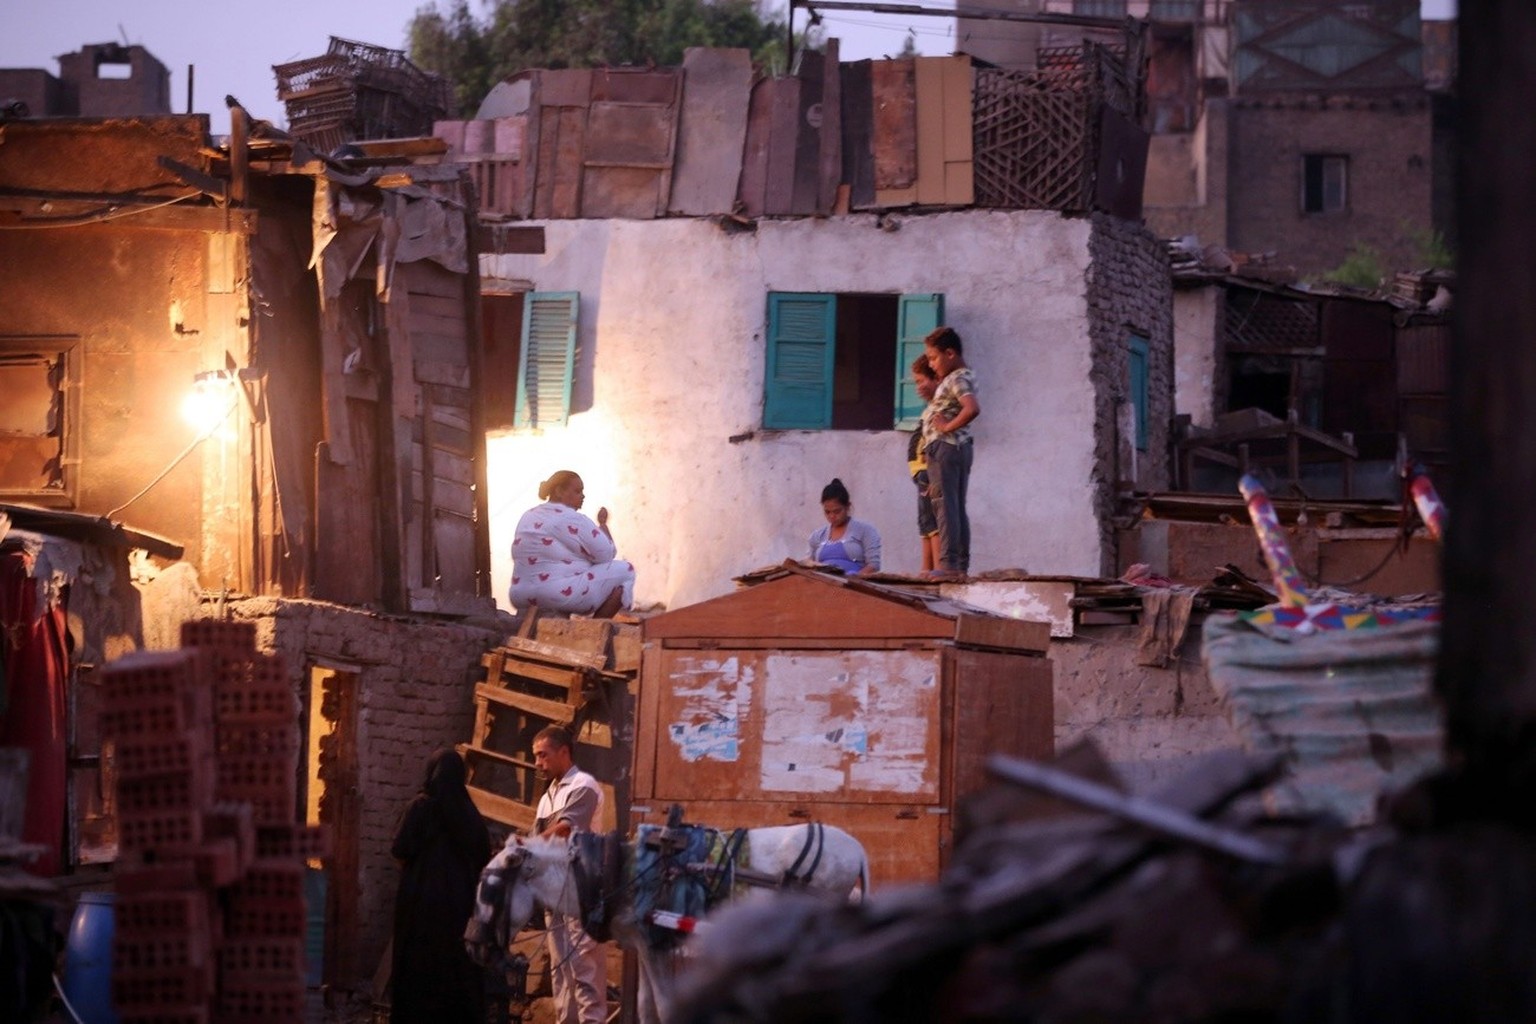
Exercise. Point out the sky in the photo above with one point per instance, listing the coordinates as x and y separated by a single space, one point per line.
234 52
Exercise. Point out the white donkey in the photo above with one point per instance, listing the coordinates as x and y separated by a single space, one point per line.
527 874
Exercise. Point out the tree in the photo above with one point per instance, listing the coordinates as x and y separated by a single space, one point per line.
516 34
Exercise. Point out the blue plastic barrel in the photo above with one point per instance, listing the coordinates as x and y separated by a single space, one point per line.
88 959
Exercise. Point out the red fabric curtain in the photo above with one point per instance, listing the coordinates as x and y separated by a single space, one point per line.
36 659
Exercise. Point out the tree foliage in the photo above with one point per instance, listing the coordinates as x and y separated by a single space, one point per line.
475 54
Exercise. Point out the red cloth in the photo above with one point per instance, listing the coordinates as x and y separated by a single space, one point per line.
36 668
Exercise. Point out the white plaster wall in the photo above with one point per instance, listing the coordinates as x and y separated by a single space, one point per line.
671 367
1195 334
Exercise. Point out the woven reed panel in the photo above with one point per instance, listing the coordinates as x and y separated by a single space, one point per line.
1033 141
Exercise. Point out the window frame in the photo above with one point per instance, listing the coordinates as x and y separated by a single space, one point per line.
1322 162
800 339
62 354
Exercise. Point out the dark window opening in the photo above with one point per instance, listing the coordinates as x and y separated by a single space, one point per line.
1324 183
39 378
501 337
864 363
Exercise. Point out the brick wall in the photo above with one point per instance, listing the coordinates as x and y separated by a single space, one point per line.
415 687
1390 178
1130 291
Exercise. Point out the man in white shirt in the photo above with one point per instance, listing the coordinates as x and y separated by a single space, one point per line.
578 971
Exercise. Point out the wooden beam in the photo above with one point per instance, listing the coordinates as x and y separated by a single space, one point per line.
503 810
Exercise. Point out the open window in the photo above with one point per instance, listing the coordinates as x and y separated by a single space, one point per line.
39 419
528 340
1324 183
842 361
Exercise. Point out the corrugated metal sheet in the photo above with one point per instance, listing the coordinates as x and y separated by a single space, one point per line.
1350 711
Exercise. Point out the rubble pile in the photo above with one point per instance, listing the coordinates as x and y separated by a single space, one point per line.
1192 904
210 903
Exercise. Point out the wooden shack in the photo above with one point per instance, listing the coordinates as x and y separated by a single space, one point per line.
811 696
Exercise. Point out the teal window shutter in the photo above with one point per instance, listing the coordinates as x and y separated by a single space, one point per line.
916 317
1138 387
547 362
802 331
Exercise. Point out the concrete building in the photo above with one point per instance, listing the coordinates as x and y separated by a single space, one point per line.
98 80
1302 128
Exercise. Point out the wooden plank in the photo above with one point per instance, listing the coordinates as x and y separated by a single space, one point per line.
753 191
553 675
800 607
858 134
997 631
929 77
783 139
502 810
518 649
830 168
894 99
554 710
472 750
650 685
449 307
959 178
712 130
587 639
431 371
1003 704
427 278
799 643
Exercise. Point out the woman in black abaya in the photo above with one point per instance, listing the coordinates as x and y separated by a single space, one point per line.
441 845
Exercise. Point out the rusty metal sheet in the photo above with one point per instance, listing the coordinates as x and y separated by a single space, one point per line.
627 165
1122 165
632 85
829 172
565 87
893 88
858 134
557 186
712 131
629 134
783 142
752 193
803 195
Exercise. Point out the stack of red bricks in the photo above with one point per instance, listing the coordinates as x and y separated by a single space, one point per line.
210 909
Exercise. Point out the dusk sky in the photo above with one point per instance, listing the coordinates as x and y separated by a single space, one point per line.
235 47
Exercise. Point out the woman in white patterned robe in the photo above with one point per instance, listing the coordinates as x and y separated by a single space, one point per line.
563 561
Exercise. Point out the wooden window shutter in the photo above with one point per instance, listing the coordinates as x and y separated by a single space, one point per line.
916 317
802 333
548 359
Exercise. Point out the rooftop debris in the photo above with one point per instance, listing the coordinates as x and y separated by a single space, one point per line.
359 91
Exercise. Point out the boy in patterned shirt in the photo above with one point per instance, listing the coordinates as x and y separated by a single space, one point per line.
947 444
